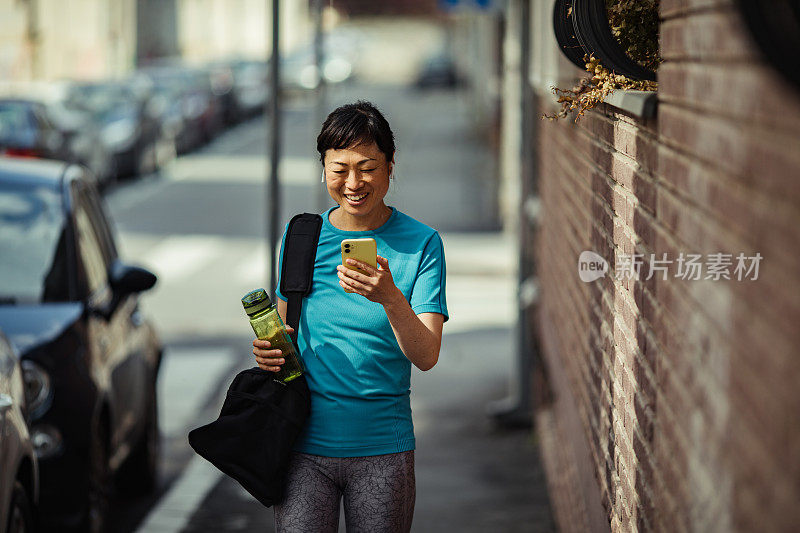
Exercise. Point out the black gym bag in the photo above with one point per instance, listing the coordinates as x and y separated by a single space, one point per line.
261 417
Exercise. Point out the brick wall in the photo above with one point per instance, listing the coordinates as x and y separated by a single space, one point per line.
678 402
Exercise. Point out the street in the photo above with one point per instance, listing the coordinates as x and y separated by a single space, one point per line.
200 226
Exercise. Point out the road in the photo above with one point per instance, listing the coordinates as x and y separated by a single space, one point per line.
200 226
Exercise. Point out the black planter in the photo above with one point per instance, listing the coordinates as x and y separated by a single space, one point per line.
591 28
565 33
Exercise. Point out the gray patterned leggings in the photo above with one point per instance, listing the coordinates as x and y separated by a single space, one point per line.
379 493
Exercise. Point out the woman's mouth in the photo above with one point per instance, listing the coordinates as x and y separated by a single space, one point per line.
356 199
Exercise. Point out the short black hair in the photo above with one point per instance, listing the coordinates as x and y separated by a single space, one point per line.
354 124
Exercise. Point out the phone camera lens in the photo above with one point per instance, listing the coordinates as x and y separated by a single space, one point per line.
347 250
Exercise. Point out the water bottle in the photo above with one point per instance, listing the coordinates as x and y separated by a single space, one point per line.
267 325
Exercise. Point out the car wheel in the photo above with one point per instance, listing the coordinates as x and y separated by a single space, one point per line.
99 494
20 515
139 474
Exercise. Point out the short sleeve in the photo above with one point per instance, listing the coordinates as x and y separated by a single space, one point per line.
278 293
428 290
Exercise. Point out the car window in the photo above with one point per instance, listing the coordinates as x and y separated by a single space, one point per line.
43 120
90 250
7 363
33 259
101 223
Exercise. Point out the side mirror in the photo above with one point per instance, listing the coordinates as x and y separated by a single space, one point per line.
126 279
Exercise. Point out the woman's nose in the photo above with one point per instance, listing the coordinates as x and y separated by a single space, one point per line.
353 179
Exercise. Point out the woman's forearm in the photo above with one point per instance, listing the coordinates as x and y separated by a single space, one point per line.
418 343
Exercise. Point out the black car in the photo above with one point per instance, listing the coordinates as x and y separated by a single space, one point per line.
19 477
438 70
90 359
41 125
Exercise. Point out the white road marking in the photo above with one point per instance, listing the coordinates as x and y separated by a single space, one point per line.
176 508
242 169
180 256
476 302
254 269
187 378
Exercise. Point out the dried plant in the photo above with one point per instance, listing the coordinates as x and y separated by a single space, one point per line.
594 89
634 24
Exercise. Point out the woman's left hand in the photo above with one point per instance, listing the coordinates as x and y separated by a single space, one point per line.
377 286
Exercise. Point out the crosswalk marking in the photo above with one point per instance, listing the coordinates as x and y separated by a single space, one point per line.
179 256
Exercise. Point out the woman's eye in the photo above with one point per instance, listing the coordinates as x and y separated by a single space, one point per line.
339 171
367 169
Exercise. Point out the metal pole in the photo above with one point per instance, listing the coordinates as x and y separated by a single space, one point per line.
319 110
515 410
525 347
273 187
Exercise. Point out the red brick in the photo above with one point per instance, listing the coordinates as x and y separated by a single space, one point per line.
707 36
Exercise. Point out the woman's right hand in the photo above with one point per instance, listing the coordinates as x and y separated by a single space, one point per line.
267 358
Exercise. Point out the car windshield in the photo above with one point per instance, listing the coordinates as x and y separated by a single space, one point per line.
33 265
16 124
107 102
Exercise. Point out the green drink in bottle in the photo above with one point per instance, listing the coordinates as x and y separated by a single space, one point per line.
267 325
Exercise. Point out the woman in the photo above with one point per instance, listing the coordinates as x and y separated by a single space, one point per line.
358 347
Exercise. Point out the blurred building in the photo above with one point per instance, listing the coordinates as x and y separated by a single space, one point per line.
84 39
52 39
662 404
156 30
210 29
396 7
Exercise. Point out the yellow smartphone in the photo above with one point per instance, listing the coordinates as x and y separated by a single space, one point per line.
364 250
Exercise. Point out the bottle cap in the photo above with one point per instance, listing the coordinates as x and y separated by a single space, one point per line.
255 301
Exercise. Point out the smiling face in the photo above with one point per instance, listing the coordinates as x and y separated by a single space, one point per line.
357 179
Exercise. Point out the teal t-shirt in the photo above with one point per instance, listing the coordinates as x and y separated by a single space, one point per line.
360 381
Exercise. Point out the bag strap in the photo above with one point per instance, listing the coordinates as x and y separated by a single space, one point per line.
297 270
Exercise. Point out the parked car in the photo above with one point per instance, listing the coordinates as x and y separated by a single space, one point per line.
42 125
249 89
19 472
70 305
191 90
251 86
129 125
221 79
438 70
